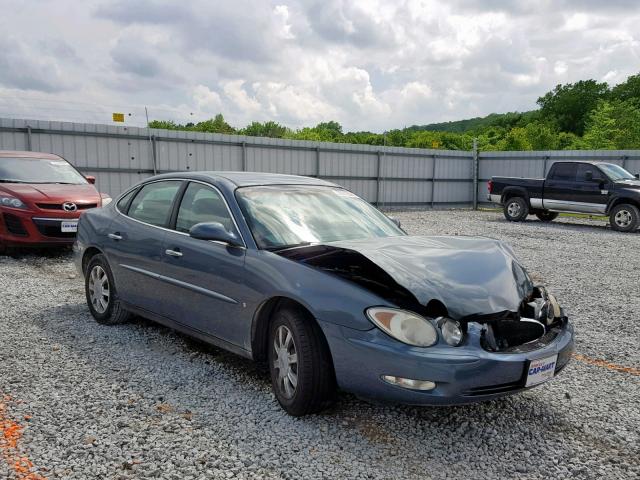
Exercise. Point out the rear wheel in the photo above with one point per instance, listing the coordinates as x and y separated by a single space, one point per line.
624 217
546 216
100 290
300 364
516 209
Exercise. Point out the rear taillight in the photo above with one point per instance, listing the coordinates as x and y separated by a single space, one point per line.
490 186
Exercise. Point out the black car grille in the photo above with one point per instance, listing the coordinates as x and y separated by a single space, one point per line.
58 206
493 389
14 225
51 228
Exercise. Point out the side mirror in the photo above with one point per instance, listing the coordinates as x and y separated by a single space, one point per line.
396 221
637 175
91 179
589 176
216 232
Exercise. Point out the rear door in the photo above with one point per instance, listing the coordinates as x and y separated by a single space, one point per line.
567 189
135 240
208 278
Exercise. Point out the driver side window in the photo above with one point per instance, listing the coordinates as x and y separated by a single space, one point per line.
200 204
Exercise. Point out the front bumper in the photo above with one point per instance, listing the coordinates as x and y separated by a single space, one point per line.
464 374
24 228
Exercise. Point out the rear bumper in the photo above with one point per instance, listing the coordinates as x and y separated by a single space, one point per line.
495 198
23 228
465 374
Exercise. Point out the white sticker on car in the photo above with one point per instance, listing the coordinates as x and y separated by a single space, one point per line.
541 370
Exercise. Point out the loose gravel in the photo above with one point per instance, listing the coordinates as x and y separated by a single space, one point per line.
140 401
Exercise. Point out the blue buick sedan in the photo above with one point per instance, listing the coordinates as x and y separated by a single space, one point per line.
328 291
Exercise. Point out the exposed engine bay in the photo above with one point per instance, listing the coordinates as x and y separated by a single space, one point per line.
526 315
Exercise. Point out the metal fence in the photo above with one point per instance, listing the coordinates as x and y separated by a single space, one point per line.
386 176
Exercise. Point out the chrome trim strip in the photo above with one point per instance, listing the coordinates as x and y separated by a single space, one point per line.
72 219
179 283
582 207
140 185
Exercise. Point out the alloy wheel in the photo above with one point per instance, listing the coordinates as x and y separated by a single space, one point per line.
623 218
99 291
513 209
285 362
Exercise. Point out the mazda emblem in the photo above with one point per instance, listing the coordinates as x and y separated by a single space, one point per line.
69 207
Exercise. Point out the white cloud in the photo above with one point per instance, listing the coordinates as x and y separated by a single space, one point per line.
369 64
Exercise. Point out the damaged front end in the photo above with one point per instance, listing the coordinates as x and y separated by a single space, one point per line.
476 282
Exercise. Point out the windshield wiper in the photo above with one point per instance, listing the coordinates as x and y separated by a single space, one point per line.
285 247
11 180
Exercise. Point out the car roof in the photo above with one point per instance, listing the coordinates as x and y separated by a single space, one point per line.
24 154
245 179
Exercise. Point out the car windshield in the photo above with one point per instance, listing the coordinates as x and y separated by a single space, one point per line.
291 215
615 172
38 170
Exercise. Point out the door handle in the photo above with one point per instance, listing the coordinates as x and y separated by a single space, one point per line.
173 253
115 236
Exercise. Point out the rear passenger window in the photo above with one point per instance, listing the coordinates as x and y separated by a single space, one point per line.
564 171
153 202
202 204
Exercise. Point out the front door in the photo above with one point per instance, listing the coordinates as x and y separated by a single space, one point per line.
208 277
567 189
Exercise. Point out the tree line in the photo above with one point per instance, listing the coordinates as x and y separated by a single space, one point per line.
575 116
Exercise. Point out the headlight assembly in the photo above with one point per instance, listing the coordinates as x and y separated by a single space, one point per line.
13 202
451 331
106 201
404 326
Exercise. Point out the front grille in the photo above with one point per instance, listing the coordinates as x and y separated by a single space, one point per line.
493 389
58 206
14 225
51 228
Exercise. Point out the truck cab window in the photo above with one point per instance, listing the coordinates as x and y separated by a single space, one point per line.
564 172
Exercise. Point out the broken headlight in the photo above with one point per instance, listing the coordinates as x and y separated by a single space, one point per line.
451 331
404 326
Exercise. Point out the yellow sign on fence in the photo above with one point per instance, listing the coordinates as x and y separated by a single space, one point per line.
118 117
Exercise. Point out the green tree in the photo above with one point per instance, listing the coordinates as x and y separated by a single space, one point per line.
614 125
569 105
266 129
516 139
215 125
541 136
627 90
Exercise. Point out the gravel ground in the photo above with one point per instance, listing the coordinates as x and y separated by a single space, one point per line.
83 401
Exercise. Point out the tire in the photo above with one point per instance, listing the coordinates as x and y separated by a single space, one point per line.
516 209
294 332
624 217
104 304
547 216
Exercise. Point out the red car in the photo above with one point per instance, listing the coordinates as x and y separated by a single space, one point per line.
41 198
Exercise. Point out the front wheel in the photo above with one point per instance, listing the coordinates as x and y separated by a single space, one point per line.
546 216
102 297
300 364
516 209
624 217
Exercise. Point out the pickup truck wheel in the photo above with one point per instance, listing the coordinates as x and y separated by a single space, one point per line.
624 217
547 216
516 209
300 363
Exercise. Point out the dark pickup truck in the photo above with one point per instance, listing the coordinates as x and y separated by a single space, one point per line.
581 187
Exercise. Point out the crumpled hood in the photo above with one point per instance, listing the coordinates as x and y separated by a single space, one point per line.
469 275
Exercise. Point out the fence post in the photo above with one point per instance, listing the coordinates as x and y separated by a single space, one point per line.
624 161
29 137
317 162
154 159
544 167
244 156
476 169
378 181
433 181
